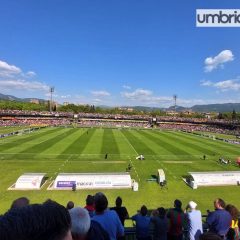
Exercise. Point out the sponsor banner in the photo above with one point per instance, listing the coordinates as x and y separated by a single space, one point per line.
93 181
30 181
65 184
215 178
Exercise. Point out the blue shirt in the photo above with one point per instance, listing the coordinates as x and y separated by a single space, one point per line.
111 223
219 221
142 225
194 218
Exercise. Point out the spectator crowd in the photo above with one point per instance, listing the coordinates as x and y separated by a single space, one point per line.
96 221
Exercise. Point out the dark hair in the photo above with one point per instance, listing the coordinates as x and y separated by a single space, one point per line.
178 204
233 211
144 210
48 221
20 202
221 202
70 205
101 202
118 202
162 212
89 200
209 236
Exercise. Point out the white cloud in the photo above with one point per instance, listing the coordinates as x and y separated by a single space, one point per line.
212 63
7 70
145 96
31 74
126 87
99 94
226 85
138 94
21 84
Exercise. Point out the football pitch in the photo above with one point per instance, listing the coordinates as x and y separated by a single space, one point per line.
82 150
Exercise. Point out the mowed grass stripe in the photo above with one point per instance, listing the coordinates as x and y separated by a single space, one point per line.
155 144
109 144
216 145
95 143
123 145
171 146
48 142
205 148
137 142
194 148
61 145
79 143
18 141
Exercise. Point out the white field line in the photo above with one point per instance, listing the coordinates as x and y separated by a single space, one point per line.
130 144
135 170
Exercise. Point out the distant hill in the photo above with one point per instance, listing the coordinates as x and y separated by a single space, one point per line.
13 98
223 107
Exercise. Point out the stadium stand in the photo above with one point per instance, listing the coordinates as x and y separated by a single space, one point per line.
49 216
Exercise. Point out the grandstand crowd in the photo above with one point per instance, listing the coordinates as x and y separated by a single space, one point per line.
96 221
28 118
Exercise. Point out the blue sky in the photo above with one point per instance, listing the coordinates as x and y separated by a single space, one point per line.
126 52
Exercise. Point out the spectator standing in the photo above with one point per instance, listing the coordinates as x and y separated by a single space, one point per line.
90 205
160 222
121 211
219 221
233 233
177 221
194 220
108 219
142 224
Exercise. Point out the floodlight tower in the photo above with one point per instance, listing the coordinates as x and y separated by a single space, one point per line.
175 101
51 90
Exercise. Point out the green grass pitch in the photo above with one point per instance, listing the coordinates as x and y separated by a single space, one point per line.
54 150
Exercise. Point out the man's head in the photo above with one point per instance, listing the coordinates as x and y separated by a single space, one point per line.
118 202
143 210
70 205
219 204
192 205
80 223
20 202
162 212
89 200
101 202
48 221
177 204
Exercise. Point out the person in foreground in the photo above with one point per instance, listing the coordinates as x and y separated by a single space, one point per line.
177 221
194 220
108 219
83 228
219 221
142 224
120 210
47 221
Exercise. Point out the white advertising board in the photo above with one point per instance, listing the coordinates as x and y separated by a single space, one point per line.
214 178
93 180
30 181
